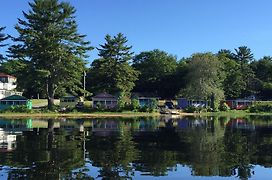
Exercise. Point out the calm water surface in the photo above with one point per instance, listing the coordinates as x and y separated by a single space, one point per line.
137 148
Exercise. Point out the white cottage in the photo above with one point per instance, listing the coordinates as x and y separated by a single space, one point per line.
8 86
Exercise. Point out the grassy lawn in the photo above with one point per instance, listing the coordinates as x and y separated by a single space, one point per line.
42 102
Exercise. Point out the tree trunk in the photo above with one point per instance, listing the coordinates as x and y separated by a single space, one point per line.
50 95
50 101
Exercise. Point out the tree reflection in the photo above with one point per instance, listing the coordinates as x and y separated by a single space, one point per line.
113 154
47 153
209 146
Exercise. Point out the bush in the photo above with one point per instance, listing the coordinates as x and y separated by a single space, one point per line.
195 109
224 107
261 107
135 105
17 109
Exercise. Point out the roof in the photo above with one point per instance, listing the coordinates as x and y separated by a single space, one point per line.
104 95
14 97
7 75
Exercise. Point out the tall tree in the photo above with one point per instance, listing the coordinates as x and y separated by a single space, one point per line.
233 83
243 55
157 73
263 72
49 40
204 78
112 72
3 37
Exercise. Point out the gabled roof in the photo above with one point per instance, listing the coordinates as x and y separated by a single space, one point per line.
7 75
104 95
14 97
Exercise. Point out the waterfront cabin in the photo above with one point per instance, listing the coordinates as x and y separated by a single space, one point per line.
104 100
69 101
184 103
15 100
239 104
148 101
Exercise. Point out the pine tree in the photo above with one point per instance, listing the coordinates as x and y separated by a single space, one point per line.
112 72
3 37
49 40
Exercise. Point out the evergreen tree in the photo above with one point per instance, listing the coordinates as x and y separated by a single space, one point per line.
3 37
243 55
112 72
49 40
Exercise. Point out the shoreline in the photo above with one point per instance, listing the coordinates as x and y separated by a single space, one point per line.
125 114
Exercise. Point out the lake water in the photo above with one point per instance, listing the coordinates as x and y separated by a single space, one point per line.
137 148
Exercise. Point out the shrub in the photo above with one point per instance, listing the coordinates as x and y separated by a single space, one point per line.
135 105
261 107
195 109
224 107
17 109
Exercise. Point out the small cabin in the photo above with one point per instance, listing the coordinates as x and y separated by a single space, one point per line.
104 100
239 104
69 101
148 101
15 100
184 103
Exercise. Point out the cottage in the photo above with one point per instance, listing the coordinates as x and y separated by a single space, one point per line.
148 101
69 101
8 86
184 103
145 99
15 100
239 103
105 100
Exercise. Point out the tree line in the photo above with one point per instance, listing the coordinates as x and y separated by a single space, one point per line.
49 58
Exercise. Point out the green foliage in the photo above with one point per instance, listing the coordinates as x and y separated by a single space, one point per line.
112 72
135 105
49 41
195 109
243 55
157 72
263 72
121 102
17 109
261 107
203 78
3 37
151 107
224 107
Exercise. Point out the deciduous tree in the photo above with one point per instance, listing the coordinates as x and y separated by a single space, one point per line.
157 73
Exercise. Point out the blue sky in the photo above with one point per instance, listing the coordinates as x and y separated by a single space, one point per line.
179 27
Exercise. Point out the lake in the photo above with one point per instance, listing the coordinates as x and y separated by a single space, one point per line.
137 148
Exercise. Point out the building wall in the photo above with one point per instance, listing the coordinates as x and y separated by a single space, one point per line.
107 103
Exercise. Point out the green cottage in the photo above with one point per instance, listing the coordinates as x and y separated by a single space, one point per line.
15 100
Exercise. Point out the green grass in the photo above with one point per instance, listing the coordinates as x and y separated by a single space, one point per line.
235 113
39 101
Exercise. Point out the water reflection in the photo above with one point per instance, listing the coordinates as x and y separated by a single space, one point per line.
130 148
